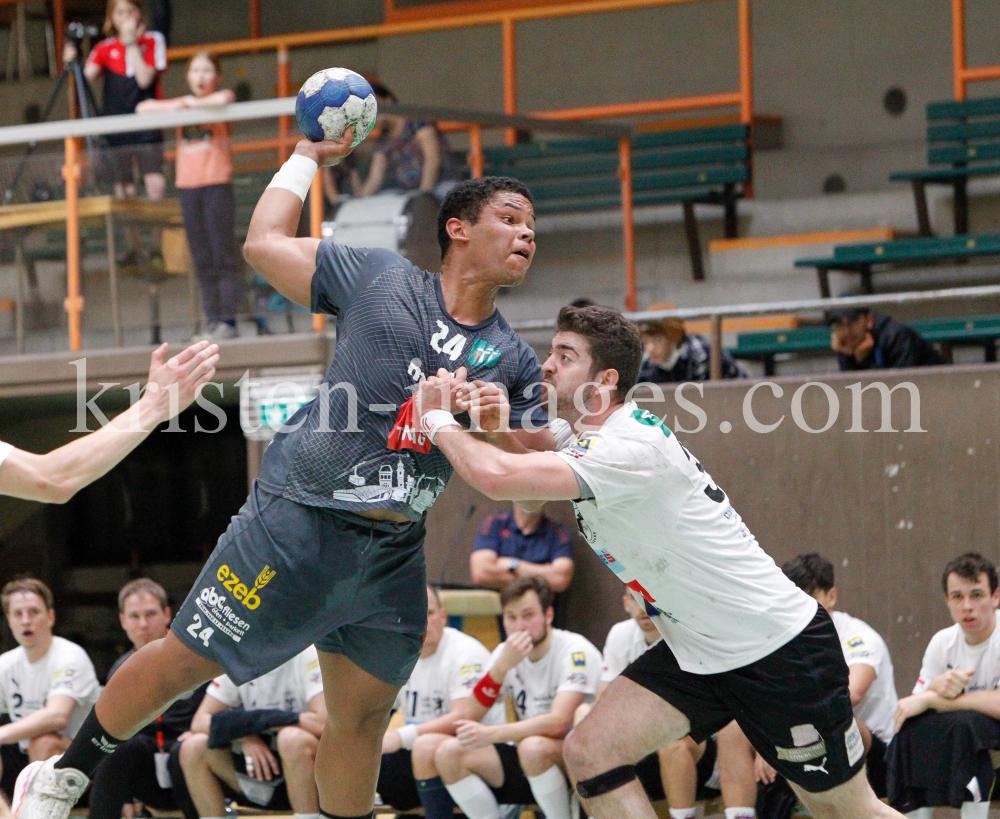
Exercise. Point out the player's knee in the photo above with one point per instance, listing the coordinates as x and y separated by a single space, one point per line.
425 748
46 745
296 744
193 751
449 757
538 754
677 753
579 755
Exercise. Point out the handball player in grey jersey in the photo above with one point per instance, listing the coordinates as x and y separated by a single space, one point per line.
327 548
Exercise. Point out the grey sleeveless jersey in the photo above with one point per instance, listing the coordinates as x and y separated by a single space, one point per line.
392 331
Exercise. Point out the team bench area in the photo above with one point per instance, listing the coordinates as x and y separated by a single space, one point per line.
693 166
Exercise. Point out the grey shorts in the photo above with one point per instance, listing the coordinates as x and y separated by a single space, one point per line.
285 576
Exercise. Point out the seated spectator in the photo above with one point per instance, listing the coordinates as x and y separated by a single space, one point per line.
683 771
672 355
549 673
284 712
47 684
867 340
947 727
433 700
515 544
138 770
408 155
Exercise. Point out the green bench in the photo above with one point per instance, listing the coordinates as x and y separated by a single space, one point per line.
963 141
970 331
862 258
704 166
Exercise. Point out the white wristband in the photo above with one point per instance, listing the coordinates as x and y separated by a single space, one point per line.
436 420
296 175
408 735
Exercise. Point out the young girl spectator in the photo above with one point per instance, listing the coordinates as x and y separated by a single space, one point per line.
130 60
204 185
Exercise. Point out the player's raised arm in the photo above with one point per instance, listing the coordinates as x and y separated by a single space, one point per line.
286 262
58 475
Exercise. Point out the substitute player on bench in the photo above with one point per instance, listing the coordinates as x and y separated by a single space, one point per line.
328 548
740 640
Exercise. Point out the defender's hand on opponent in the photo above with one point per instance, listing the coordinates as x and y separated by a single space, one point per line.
174 384
327 152
486 404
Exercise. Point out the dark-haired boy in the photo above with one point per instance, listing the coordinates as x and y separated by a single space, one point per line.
739 639
549 673
943 758
337 515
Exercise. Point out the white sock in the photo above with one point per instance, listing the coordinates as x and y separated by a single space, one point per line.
921 813
551 792
741 813
683 813
975 810
305 816
475 798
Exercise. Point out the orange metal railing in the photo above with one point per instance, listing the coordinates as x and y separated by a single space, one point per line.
963 74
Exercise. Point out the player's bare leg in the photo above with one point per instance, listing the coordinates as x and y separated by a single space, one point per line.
679 771
297 748
148 682
205 769
852 799
626 723
736 758
350 752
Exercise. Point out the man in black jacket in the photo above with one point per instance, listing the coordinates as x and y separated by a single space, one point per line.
867 340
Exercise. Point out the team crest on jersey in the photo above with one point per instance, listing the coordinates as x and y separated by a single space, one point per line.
483 354
579 659
474 668
650 420
582 447
855 642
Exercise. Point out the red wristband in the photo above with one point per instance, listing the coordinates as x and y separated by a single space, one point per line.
486 691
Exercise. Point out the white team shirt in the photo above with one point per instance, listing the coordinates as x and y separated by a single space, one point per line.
5 450
624 645
65 669
948 649
662 525
449 674
862 644
571 664
289 687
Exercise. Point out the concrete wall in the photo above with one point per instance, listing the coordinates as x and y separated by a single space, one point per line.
888 509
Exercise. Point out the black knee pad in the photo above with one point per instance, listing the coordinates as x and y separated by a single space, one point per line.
608 781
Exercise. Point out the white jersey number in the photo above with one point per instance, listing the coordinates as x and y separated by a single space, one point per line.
451 348
204 634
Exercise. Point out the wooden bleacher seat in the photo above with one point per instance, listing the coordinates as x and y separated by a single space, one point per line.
963 141
692 166
863 258
977 331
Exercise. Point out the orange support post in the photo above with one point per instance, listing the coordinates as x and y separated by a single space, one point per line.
746 64
958 45
628 224
316 231
74 302
509 76
476 151
284 90
59 30
255 19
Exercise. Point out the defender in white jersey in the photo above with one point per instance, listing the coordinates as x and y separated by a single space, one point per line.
740 641
547 673
434 699
47 684
274 738
943 757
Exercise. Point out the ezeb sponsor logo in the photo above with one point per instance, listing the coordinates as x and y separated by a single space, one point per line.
247 596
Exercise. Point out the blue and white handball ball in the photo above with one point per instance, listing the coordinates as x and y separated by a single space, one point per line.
333 99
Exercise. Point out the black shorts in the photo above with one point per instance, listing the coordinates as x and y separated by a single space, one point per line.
515 790
285 576
794 705
396 784
14 761
114 162
648 771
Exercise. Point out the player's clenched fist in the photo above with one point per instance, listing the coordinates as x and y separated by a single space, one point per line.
486 404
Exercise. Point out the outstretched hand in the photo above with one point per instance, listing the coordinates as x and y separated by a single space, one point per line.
327 152
184 375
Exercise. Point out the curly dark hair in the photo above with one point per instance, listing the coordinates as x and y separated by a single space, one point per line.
467 200
810 572
969 566
615 344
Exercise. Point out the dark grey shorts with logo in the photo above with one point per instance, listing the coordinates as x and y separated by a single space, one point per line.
285 576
